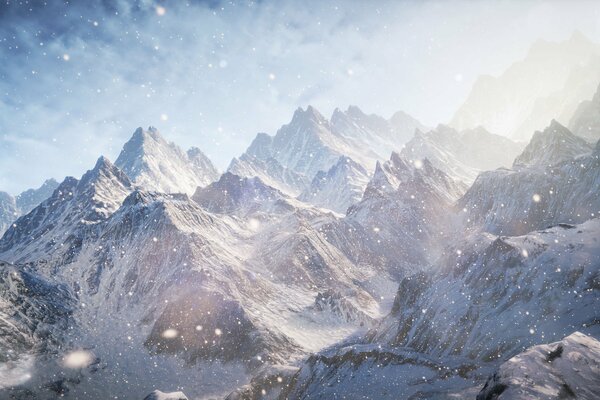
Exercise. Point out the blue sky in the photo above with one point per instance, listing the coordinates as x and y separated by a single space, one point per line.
77 78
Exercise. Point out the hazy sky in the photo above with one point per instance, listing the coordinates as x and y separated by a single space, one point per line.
77 79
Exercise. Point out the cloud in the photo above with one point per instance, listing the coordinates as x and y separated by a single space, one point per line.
209 66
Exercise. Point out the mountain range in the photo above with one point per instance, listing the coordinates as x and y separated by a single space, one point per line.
350 257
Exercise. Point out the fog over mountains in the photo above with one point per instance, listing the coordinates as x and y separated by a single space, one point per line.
349 257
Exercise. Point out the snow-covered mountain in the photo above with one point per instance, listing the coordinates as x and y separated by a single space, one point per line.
338 188
403 214
488 299
232 194
311 144
513 202
373 133
13 207
229 291
462 155
8 211
559 370
552 146
29 199
155 164
56 227
548 83
586 119
262 283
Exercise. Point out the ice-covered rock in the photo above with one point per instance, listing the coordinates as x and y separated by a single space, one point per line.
158 395
566 369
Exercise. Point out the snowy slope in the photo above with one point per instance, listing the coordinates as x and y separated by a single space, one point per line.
506 292
549 82
338 188
154 164
569 368
462 155
518 201
586 119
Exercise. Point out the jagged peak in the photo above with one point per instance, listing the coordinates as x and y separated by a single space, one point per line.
310 114
104 168
554 144
260 146
141 137
355 111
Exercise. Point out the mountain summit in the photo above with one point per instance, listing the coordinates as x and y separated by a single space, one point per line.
155 164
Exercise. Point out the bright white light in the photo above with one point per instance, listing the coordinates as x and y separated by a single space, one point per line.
66 57
272 76
170 333
218 332
78 359
537 198
253 224
164 117
418 164
198 328
160 11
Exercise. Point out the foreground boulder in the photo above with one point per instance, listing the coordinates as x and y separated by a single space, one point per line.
561 370
158 395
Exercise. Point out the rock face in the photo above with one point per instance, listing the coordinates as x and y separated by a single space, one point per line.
548 83
566 369
462 155
586 120
154 164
